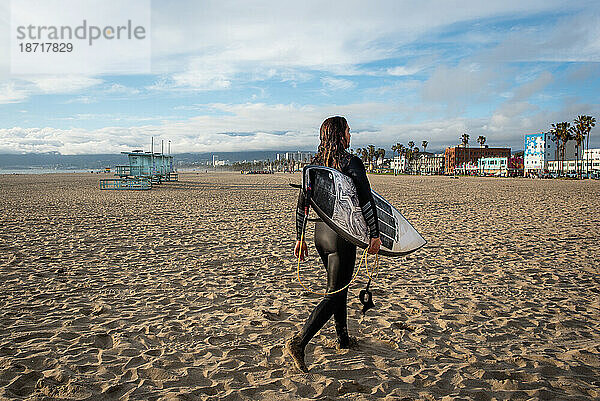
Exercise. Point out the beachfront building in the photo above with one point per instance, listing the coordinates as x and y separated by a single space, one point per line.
572 166
539 151
463 160
466 168
430 163
542 155
500 166
399 164
561 167
426 163
422 163
302 157
591 161
493 166
515 166
293 161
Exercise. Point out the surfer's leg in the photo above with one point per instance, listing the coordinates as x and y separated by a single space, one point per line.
326 243
345 269
330 304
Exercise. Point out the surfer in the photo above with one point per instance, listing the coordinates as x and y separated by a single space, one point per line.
337 254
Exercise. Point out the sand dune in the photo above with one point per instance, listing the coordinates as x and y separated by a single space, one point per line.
188 292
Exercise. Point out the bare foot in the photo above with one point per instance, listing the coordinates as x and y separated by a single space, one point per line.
295 350
351 343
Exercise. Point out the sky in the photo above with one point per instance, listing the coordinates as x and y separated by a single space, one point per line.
263 75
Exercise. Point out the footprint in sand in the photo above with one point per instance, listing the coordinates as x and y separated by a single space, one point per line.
23 385
103 341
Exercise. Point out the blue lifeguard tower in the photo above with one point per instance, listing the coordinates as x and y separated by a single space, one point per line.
144 170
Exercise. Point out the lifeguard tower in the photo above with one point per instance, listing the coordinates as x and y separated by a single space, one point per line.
144 170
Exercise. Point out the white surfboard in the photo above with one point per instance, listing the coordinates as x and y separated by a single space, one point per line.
333 197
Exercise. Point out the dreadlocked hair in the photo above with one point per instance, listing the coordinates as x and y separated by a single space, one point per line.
332 150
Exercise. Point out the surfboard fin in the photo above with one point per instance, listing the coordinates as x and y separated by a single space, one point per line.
366 298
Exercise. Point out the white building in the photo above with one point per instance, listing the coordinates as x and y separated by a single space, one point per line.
590 156
540 150
297 156
399 164
493 166
429 163
591 159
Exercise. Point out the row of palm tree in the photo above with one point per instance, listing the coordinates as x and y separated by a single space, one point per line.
564 132
410 150
370 154
464 139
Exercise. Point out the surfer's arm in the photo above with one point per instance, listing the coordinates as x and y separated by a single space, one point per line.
356 171
300 210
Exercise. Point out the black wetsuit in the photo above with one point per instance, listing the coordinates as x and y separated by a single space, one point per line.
338 256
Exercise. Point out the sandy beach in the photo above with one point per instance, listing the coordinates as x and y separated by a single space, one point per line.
189 292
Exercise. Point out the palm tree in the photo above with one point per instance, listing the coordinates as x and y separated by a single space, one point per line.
481 141
380 154
567 136
409 154
590 123
465 142
563 131
465 139
424 145
416 158
578 133
371 154
362 154
556 139
584 124
401 150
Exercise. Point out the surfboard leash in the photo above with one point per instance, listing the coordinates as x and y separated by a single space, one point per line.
364 257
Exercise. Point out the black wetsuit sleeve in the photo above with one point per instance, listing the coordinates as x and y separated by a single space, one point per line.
300 214
356 170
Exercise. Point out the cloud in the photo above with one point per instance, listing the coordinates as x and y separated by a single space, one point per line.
279 126
259 126
339 38
19 90
529 89
202 80
337 84
63 84
82 100
401 70
414 78
119 89
9 93
583 73
465 82
573 38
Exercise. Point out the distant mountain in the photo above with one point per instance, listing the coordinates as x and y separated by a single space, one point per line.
56 160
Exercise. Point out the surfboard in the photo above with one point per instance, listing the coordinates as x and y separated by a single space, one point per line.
333 197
